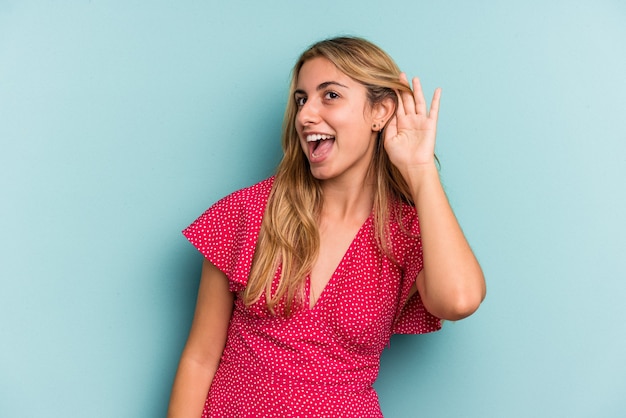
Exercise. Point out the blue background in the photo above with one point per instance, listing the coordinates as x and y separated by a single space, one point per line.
120 122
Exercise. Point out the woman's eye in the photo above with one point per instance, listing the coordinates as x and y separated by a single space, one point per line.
331 95
300 101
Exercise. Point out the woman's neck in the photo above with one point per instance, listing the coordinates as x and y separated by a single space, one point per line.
347 201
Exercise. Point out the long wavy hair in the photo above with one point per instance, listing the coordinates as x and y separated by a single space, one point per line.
289 240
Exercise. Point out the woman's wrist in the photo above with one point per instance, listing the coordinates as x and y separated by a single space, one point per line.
419 176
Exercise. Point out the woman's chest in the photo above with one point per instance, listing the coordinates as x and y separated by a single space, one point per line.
359 305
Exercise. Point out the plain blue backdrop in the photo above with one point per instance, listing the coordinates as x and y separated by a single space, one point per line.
121 121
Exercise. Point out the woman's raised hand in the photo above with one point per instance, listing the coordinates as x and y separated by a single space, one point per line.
410 135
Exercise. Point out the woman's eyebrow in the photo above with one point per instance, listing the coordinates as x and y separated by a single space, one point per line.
322 86
330 83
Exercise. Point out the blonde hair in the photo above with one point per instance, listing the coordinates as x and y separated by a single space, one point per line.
289 237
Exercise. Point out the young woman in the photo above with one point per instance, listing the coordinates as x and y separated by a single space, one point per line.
308 274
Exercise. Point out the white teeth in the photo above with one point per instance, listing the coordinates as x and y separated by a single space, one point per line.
317 137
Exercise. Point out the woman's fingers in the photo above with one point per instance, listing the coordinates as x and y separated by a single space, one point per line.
434 106
400 110
415 103
418 94
406 98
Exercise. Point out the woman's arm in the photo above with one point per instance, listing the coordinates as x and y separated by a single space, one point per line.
205 344
451 284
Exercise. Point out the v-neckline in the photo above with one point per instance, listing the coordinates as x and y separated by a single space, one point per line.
333 276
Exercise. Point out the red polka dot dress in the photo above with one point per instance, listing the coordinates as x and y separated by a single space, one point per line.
321 361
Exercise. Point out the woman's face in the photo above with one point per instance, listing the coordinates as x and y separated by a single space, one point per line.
334 122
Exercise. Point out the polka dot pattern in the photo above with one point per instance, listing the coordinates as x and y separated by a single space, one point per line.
321 361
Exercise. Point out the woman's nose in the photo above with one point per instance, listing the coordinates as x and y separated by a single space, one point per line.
307 114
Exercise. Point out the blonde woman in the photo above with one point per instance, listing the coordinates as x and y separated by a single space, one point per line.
308 274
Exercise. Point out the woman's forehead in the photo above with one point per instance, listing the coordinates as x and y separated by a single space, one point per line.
318 71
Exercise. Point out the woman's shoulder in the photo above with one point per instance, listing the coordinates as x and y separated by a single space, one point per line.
261 188
239 211
250 196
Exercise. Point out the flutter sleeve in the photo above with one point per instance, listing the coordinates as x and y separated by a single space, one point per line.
227 232
412 316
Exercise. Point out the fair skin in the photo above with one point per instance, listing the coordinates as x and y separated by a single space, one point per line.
205 344
334 107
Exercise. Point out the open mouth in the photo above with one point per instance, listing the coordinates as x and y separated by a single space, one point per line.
319 144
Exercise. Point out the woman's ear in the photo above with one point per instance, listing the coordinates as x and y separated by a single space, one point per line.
382 112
